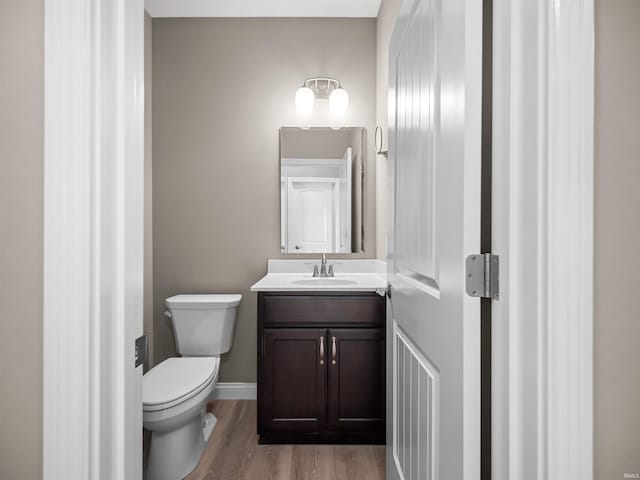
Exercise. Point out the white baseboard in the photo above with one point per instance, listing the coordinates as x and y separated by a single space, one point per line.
235 391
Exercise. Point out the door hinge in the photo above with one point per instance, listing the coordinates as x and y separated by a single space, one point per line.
482 272
141 350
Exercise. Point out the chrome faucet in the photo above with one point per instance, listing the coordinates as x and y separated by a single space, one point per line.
323 266
324 272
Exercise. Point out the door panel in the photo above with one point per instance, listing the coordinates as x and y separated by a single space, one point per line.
417 125
415 394
295 378
435 158
312 216
356 379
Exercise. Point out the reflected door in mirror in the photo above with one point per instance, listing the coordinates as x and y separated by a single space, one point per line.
312 215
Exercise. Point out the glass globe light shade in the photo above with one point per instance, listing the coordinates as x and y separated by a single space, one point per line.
304 101
338 102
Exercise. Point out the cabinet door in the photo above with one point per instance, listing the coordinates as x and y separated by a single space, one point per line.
357 379
294 389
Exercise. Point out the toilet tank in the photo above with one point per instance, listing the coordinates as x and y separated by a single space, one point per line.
203 324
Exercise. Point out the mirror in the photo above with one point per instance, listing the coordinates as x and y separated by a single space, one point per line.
321 189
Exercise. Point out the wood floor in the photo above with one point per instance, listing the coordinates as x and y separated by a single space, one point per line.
233 453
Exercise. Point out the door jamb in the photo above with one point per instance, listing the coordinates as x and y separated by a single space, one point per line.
485 238
542 398
93 240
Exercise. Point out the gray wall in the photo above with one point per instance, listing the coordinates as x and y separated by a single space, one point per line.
384 27
222 88
314 143
617 239
148 188
21 217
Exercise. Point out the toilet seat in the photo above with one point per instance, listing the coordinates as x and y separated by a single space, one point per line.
176 380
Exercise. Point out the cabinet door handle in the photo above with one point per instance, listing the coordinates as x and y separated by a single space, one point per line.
334 350
321 350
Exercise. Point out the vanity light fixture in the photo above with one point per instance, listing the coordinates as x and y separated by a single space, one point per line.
322 88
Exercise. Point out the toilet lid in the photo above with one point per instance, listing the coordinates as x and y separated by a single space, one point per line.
177 378
206 301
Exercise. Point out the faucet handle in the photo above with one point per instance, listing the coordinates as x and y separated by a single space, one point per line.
331 272
315 270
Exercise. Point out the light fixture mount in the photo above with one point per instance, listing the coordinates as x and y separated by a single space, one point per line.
322 86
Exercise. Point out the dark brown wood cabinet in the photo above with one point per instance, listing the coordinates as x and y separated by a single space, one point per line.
321 368
294 380
356 379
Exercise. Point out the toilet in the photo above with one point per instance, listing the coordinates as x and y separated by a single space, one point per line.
176 391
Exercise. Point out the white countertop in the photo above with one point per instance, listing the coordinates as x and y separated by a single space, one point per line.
297 276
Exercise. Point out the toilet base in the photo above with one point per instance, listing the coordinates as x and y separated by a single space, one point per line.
176 453
208 424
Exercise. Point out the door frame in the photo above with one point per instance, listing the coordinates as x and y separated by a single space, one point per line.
542 228
93 238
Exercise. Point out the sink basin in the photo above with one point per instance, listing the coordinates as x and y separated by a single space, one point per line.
324 282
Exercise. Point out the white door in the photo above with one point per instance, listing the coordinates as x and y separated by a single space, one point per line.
345 203
434 149
312 217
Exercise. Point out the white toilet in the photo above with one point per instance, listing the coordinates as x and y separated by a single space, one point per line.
175 392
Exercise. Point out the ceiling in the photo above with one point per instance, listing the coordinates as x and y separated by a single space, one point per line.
262 8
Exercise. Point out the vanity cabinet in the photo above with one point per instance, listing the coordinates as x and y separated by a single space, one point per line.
321 367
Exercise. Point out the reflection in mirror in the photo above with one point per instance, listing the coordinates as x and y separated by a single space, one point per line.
321 189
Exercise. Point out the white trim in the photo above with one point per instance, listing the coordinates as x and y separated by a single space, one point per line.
93 240
235 391
67 336
262 8
543 231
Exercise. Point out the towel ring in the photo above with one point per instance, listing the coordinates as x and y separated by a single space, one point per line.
379 139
